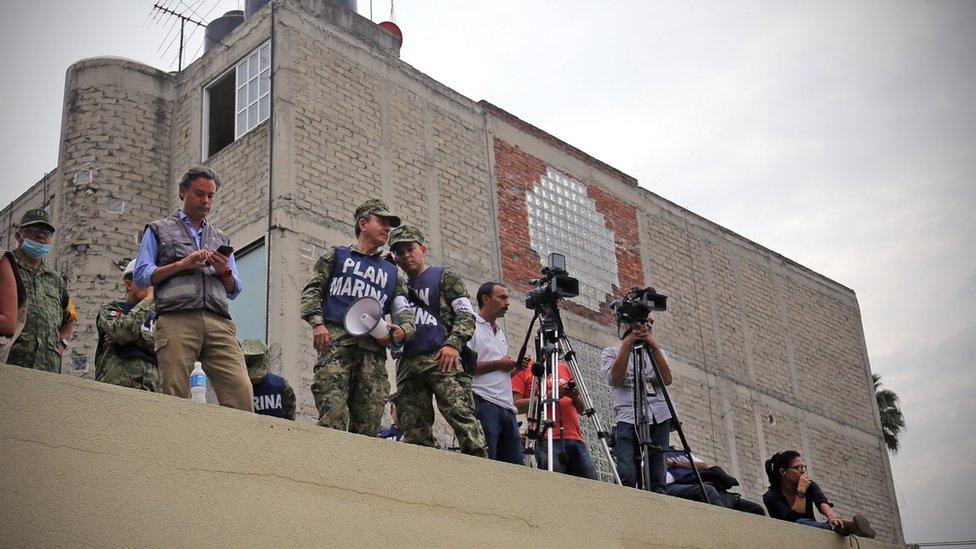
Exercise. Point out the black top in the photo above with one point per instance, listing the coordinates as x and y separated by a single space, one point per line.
779 508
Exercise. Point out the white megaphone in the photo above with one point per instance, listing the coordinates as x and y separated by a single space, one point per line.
365 316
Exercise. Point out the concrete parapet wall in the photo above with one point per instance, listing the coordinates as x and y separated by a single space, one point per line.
89 464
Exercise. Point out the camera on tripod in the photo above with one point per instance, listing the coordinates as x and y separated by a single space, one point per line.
555 283
638 304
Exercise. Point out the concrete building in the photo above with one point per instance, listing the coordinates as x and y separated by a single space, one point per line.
305 110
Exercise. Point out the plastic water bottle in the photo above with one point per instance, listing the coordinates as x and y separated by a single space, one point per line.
198 384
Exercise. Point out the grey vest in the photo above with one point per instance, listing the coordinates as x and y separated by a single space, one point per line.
188 290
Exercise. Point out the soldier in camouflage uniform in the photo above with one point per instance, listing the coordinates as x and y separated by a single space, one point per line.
431 362
273 396
350 382
125 353
50 312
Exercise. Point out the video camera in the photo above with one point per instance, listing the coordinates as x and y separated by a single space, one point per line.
555 283
637 304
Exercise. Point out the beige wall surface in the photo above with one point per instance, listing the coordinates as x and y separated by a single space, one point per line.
89 464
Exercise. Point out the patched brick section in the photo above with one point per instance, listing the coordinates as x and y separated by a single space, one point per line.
517 173
621 218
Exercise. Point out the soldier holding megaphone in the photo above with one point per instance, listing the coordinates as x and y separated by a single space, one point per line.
350 384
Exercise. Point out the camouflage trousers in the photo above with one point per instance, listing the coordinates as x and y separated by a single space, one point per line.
350 387
452 391
37 358
132 372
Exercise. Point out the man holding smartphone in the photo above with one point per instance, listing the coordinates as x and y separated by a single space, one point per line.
181 258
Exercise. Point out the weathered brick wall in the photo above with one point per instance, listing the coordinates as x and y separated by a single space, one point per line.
767 355
357 131
115 127
243 170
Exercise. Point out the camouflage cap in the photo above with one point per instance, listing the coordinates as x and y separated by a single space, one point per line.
255 356
375 206
405 233
37 216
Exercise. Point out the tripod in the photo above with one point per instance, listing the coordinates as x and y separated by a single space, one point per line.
544 395
641 421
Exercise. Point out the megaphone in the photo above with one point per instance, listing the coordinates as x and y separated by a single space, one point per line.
365 316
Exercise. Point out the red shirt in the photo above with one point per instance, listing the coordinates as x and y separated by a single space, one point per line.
566 416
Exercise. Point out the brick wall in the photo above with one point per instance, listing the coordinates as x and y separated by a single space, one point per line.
117 127
766 355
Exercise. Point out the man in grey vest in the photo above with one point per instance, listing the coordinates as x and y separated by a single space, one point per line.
180 256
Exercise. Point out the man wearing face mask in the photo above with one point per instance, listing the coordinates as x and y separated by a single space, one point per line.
50 313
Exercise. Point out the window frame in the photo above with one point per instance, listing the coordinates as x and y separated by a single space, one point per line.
256 81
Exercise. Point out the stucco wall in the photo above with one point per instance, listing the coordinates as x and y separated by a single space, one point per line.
93 465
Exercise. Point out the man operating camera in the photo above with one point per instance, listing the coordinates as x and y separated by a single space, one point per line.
619 364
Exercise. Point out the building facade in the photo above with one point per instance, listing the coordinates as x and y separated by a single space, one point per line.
305 110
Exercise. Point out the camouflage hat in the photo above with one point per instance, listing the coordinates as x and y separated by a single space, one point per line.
37 216
405 233
255 356
375 206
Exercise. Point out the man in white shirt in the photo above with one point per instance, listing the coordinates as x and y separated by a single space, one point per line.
492 386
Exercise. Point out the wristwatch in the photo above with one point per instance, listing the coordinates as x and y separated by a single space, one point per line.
800 494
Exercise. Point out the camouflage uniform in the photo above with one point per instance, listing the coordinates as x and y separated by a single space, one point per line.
350 383
256 358
419 378
125 354
48 308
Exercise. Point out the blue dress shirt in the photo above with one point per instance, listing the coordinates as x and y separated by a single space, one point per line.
146 260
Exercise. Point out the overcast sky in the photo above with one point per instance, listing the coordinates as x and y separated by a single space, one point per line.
839 134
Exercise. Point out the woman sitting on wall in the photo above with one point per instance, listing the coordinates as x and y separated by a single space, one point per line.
792 496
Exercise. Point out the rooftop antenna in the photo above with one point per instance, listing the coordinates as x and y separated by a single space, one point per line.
162 10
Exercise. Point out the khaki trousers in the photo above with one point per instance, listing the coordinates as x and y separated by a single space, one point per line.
183 337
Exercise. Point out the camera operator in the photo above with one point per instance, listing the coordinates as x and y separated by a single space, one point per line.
618 365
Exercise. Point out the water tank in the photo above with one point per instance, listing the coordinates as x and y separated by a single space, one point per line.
220 27
251 6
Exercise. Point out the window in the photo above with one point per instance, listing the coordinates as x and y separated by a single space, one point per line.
249 310
237 101
564 219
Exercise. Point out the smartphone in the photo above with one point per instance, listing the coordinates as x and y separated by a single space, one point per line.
225 250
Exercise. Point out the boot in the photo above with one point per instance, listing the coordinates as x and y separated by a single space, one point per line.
862 527
858 526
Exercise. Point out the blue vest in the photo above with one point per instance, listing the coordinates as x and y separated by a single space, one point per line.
355 275
268 395
431 333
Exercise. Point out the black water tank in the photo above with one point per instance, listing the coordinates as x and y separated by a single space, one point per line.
220 27
251 6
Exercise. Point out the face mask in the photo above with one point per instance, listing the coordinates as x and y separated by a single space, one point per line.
34 250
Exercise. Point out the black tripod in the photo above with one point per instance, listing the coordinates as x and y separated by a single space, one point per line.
642 423
544 395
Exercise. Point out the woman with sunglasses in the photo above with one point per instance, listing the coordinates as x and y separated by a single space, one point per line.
792 496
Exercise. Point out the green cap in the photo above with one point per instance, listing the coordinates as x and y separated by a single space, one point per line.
256 357
37 216
376 206
405 233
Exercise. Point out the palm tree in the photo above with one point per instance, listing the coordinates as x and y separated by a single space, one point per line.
892 420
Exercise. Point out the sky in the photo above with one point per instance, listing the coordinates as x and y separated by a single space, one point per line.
839 134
